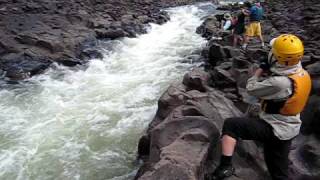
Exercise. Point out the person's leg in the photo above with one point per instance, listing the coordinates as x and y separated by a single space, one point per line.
249 32
233 129
261 39
235 40
245 41
276 154
259 34
228 145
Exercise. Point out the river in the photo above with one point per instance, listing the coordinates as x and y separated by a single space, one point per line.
85 123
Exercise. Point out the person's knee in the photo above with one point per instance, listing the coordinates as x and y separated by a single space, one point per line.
230 127
229 123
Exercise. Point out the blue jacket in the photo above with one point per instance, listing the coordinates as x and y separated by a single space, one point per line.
256 13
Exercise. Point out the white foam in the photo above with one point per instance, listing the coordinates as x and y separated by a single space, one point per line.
85 124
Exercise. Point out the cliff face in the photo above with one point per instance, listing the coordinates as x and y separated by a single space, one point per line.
204 97
35 33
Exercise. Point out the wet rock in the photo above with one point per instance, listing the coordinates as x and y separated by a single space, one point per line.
184 131
256 54
216 53
310 117
316 86
58 29
311 154
100 22
144 19
91 53
20 66
110 33
196 80
69 62
240 63
209 27
222 78
314 69
232 52
304 158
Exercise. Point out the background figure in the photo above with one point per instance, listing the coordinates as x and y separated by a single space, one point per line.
253 29
239 28
227 24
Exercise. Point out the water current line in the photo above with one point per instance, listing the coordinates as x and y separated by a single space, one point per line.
85 124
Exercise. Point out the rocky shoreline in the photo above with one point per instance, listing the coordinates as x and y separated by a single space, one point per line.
37 33
182 141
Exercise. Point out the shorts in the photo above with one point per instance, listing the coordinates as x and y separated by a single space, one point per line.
253 29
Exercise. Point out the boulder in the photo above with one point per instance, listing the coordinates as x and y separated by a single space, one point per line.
21 66
216 53
110 33
314 69
196 80
209 27
58 29
183 139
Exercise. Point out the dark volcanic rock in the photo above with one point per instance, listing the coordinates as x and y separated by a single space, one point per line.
229 69
55 30
180 141
216 53
183 136
21 66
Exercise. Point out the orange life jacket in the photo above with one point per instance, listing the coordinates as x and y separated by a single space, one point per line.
294 104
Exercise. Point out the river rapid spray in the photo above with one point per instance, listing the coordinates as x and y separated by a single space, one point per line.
85 124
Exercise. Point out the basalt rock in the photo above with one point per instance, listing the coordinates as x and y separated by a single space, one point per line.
55 30
293 16
21 66
183 137
181 140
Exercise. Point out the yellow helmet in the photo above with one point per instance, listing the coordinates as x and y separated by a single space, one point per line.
287 49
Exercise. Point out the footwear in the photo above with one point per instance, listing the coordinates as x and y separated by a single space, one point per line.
222 172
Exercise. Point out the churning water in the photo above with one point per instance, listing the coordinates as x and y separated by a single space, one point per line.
85 124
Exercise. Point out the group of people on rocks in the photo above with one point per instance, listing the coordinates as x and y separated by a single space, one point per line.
282 86
245 24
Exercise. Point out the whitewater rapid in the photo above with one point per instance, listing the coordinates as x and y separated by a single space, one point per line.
85 123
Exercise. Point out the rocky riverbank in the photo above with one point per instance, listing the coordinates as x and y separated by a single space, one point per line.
182 141
36 33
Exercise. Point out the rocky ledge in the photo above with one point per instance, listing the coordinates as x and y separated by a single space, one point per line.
35 33
182 141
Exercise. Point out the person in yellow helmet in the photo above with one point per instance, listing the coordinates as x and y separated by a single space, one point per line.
283 94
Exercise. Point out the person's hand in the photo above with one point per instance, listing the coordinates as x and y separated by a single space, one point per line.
264 64
258 72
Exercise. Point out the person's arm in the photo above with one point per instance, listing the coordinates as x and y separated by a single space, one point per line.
227 25
260 89
245 12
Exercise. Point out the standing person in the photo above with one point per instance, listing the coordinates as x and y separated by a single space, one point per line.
284 94
253 29
239 28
